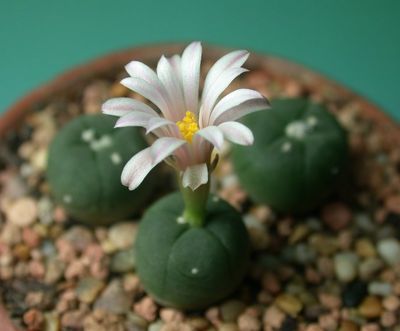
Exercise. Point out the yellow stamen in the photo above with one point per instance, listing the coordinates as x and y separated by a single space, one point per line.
188 126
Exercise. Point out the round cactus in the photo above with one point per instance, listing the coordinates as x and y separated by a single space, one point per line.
191 267
84 168
299 152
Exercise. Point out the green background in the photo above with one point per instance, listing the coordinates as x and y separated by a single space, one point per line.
356 42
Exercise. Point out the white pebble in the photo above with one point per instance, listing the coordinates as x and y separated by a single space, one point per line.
379 288
346 265
195 271
389 250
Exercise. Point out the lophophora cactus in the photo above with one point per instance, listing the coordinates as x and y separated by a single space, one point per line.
191 267
84 167
300 151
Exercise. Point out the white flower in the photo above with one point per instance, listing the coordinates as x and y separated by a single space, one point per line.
187 127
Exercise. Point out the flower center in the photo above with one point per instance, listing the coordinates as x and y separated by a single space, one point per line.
188 126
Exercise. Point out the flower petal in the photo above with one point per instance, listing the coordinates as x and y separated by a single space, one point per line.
135 118
231 100
195 176
237 133
156 95
190 67
172 84
122 106
212 134
156 123
234 59
137 169
216 89
140 70
141 163
164 147
241 110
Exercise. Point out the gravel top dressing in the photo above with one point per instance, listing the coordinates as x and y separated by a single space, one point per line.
336 268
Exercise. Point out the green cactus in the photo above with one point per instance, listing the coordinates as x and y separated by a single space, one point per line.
191 267
300 150
84 168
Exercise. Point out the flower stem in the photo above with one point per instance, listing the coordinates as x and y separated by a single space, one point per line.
195 204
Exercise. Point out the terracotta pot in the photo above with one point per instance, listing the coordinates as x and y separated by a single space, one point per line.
279 68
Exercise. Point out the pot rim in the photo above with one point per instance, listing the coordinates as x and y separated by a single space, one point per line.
150 53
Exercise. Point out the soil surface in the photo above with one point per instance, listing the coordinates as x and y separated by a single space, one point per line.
337 268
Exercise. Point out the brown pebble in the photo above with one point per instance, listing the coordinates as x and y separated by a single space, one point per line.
391 303
21 252
336 215
371 307
314 327
370 327
170 315
330 301
23 212
31 237
347 325
388 319
146 308
34 319
36 269
365 248
328 322
392 204
289 304
73 319
274 317
270 283
247 322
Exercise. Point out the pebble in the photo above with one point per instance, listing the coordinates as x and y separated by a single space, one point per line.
391 303
113 299
11 234
79 237
228 327
23 212
34 319
146 308
274 317
170 315
122 235
30 237
354 293
347 325
336 215
289 304
389 250
324 244
365 248
379 288
123 261
230 310
369 267
54 270
88 289
247 322
73 319
314 327
156 326
371 307
388 319
346 266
